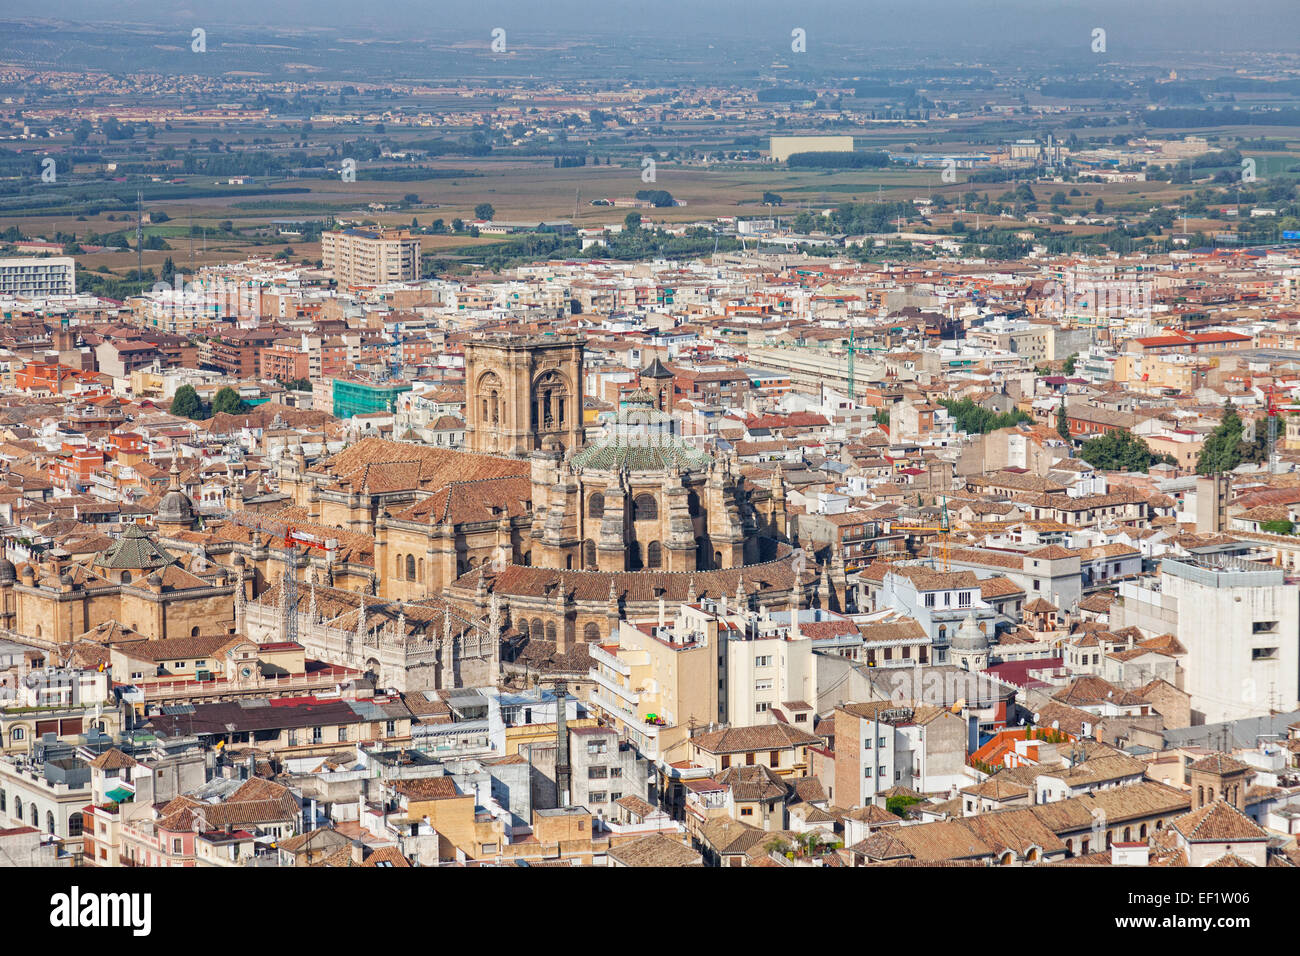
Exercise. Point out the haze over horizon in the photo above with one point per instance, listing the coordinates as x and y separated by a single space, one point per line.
957 25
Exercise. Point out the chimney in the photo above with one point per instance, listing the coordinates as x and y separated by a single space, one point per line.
661 612
561 745
358 852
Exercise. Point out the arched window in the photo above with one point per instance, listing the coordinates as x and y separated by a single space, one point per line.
550 401
74 824
717 559
644 508
18 733
49 820
397 567
194 631
596 506
550 631
568 562
1128 834
589 554
528 559
1142 832
654 555
410 567
489 394
36 816
126 577
591 633
535 629
18 809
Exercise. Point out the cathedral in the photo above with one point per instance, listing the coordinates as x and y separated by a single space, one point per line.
553 528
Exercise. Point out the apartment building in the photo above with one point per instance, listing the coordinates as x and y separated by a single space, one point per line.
358 257
38 276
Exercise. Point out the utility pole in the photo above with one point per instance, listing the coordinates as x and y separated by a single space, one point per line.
139 235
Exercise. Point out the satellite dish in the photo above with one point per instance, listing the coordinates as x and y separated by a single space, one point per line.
31 680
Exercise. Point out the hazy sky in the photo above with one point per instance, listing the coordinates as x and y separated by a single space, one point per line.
1132 25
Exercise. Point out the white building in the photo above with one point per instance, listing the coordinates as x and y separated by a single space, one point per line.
1240 623
38 276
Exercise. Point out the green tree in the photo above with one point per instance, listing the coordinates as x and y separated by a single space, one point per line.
186 403
1120 451
228 402
1069 363
1063 422
1277 527
975 419
1222 449
484 210
632 220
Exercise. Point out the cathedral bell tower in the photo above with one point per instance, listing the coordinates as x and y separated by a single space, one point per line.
523 394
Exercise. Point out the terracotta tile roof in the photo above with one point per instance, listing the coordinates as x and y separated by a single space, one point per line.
1218 822
114 759
655 850
1219 763
746 739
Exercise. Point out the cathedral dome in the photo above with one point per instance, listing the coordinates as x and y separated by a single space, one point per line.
641 438
969 639
175 506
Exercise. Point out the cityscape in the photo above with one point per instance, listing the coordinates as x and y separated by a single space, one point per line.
528 438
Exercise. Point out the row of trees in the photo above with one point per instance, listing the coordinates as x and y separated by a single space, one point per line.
975 419
186 403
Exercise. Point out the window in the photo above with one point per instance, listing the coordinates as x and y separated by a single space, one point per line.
726 763
293 738
343 735
866 744
3 806
596 747
390 728
596 506
1264 627
774 758
883 741
763 685
762 708
599 796
644 508
654 555
317 735
746 811
615 797
963 599
1263 653
597 773
176 845
616 772
764 660
75 825
929 599
882 772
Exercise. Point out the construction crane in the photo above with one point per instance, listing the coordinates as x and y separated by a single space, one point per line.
853 349
943 529
293 538
1272 432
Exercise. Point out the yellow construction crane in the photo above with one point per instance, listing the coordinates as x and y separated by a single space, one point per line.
943 530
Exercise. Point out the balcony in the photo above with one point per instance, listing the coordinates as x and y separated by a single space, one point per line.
602 656
629 698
